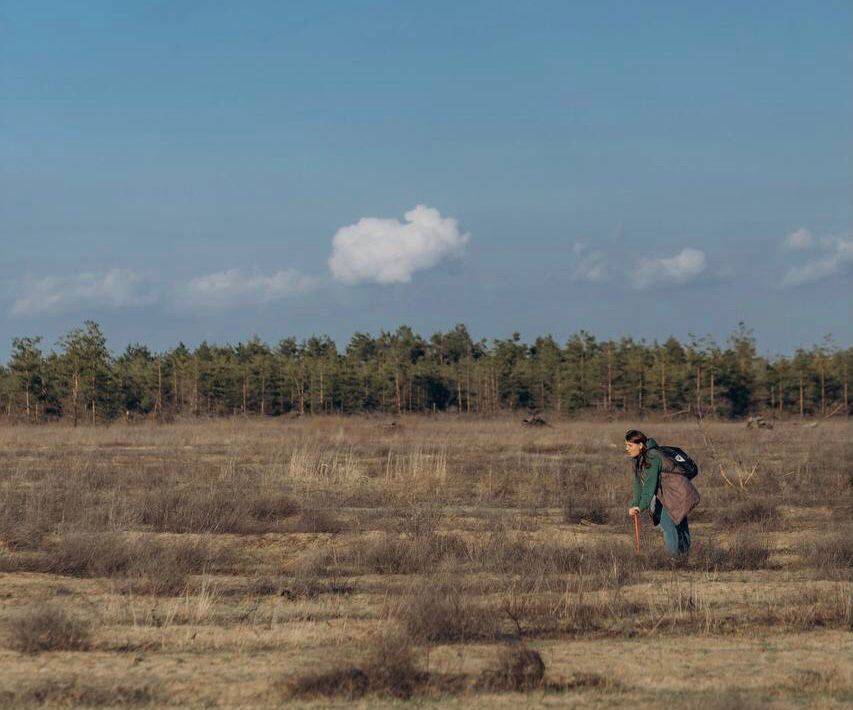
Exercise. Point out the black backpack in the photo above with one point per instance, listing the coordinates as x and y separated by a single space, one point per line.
676 460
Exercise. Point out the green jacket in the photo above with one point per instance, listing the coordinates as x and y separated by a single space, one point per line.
645 482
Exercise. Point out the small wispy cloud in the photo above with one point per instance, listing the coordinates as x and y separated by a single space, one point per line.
590 265
109 290
235 287
799 240
834 256
387 251
681 268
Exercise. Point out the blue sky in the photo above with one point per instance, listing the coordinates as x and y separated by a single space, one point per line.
191 170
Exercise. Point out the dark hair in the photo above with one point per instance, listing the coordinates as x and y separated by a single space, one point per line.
637 437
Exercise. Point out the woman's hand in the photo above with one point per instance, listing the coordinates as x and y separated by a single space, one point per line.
633 510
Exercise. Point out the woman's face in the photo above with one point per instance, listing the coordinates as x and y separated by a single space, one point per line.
633 450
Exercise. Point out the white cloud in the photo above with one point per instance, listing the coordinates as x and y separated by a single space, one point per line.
236 287
110 290
799 240
678 269
590 266
388 251
836 256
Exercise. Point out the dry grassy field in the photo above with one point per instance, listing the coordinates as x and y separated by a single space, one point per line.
445 561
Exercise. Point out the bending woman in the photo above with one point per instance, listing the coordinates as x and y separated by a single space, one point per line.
648 477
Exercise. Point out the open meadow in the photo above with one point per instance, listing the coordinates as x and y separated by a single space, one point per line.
440 560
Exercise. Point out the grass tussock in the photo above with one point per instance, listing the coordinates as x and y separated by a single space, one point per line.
48 627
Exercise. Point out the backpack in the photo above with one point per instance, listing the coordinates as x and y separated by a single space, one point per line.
676 460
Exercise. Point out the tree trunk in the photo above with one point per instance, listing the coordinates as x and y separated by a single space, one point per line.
158 404
698 389
640 393
802 407
713 410
609 376
75 392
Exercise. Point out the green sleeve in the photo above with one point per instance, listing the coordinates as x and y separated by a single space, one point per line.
635 484
651 483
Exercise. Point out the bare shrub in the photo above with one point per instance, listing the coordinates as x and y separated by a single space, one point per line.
58 692
748 511
274 507
349 682
518 669
299 587
831 556
390 554
576 511
317 520
388 669
48 627
311 563
743 552
199 510
440 610
517 555
148 566
93 555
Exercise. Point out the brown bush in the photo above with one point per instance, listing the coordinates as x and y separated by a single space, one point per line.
831 556
518 669
316 520
147 565
388 669
274 507
48 627
748 511
391 554
61 692
216 510
577 511
440 610
509 555
743 552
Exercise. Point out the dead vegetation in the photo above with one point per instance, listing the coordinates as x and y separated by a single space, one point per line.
433 558
47 627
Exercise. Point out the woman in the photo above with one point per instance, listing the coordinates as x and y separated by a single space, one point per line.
668 504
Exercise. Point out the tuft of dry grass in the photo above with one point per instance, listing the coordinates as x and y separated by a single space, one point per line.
47 627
